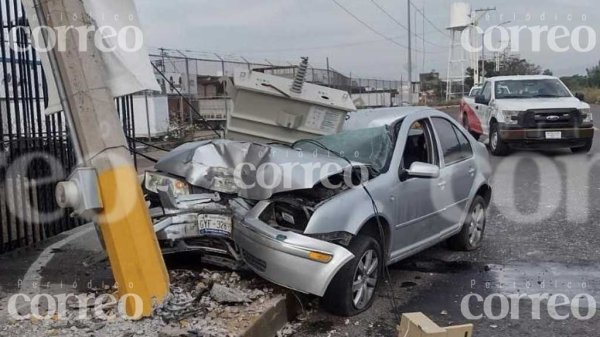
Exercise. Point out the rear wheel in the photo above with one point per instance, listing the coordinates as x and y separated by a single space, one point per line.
471 235
497 146
583 149
352 290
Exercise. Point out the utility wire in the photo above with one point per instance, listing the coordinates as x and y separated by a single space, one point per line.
369 27
430 22
391 17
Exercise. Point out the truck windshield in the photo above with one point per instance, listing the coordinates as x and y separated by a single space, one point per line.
531 89
372 146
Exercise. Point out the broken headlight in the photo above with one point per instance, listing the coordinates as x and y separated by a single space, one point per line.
153 180
341 238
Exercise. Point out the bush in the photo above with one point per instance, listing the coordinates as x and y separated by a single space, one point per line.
592 95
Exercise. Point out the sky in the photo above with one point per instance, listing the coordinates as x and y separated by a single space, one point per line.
282 31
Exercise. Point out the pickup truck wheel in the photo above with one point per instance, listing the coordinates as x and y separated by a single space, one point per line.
352 290
583 149
471 235
497 146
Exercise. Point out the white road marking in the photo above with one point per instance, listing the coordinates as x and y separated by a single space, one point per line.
31 282
32 276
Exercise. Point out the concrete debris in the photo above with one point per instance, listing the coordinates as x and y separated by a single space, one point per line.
289 329
206 304
223 294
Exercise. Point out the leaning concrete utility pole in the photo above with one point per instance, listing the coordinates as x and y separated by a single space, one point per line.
104 187
409 57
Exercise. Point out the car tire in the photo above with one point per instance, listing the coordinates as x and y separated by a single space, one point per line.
497 146
341 299
472 232
583 149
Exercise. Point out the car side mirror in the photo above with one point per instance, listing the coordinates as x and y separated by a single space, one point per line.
480 99
580 96
420 170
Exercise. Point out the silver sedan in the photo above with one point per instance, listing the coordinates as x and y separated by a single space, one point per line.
414 178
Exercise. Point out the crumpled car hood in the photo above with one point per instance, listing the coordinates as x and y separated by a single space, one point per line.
211 165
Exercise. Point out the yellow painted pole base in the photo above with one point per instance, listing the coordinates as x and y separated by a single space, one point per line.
135 257
419 325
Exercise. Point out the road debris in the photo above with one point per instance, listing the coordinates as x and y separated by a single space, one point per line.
205 303
223 294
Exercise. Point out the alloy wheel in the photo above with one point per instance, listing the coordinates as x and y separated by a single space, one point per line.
477 224
365 279
494 140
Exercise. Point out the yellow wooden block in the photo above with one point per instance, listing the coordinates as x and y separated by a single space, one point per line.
135 257
419 325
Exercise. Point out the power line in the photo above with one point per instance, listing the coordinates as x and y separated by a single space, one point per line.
369 27
321 47
384 11
430 22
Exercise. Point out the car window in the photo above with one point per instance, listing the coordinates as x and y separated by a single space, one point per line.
419 145
486 92
455 145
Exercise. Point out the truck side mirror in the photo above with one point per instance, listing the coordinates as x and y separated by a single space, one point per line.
480 99
580 96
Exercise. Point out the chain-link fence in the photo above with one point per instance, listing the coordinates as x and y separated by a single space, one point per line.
197 75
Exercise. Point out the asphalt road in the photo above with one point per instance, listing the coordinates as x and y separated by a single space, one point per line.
542 237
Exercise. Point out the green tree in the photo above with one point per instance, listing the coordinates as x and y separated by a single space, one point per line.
575 82
593 76
509 66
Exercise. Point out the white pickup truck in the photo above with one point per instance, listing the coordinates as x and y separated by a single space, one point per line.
528 112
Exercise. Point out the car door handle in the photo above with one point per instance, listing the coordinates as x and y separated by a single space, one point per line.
442 184
472 171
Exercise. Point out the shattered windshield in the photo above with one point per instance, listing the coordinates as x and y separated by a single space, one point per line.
372 146
546 88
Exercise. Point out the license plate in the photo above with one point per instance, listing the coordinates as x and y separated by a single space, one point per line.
554 135
214 224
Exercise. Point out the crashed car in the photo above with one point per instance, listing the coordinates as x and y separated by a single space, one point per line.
324 216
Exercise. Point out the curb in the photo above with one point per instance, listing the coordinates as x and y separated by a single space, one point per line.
283 310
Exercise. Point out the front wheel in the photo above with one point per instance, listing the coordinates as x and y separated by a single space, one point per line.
497 146
352 290
471 235
583 149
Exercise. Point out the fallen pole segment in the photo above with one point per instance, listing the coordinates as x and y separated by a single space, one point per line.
115 200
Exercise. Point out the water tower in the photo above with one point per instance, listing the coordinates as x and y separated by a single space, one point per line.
458 58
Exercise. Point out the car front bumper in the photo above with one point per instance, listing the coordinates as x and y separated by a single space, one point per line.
571 137
282 257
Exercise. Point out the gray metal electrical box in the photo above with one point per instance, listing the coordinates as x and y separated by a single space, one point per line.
273 108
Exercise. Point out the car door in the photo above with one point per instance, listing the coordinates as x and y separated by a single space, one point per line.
457 173
415 226
482 110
